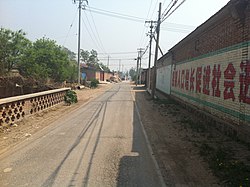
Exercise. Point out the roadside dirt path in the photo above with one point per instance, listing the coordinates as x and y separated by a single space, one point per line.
178 159
189 151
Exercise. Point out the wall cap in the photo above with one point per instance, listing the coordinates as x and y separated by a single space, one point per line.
27 96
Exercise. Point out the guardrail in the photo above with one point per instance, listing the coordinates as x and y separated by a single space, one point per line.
14 109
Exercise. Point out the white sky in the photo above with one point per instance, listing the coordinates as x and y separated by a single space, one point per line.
52 19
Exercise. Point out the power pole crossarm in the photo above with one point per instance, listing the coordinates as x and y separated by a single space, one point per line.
150 49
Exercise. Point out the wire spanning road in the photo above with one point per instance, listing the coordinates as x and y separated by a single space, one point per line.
100 144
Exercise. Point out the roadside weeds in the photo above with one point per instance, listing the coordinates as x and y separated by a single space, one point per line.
228 158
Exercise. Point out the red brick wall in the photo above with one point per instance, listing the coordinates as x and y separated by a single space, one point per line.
212 65
220 31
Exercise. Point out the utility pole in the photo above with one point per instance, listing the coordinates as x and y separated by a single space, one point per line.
137 65
79 39
108 62
119 65
156 51
150 49
140 50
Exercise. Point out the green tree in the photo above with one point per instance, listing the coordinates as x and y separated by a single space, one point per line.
45 59
132 73
84 56
90 58
12 47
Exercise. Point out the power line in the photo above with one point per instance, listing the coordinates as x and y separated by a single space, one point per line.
70 28
166 11
116 15
111 12
117 53
144 28
181 26
163 19
89 33
175 30
117 58
98 36
92 31
167 6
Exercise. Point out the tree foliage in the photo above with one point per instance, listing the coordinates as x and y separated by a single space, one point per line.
41 60
132 73
91 59
12 47
45 59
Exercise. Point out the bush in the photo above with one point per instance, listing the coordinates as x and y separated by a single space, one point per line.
94 83
70 97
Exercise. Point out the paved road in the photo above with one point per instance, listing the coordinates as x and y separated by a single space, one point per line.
100 144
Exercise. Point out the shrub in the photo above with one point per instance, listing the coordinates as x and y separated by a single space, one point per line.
70 97
94 83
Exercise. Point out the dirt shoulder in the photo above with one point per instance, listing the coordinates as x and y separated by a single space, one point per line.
188 151
28 127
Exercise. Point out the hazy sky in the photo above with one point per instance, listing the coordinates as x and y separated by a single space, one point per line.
109 35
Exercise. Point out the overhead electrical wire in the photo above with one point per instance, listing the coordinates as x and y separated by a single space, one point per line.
90 35
125 15
117 53
98 45
98 36
175 30
70 28
180 28
115 15
167 7
144 27
166 11
167 15
117 58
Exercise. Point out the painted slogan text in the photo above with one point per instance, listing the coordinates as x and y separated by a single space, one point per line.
207 80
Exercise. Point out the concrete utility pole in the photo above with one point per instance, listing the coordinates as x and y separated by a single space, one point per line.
119 65
140 50
137 66
108 62
150 49
156 51
79 38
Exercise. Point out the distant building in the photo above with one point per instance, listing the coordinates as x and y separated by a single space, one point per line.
95 73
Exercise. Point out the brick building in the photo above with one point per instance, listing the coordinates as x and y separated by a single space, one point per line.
210 68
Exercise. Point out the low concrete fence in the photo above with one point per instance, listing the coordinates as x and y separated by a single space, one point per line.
14 109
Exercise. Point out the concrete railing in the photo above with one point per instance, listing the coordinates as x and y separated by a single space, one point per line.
14 109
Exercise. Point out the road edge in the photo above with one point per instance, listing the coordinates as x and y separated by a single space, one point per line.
158 170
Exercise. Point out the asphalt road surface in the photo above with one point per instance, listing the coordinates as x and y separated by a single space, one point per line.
102 143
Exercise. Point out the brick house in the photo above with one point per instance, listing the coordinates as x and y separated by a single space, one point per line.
95 73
